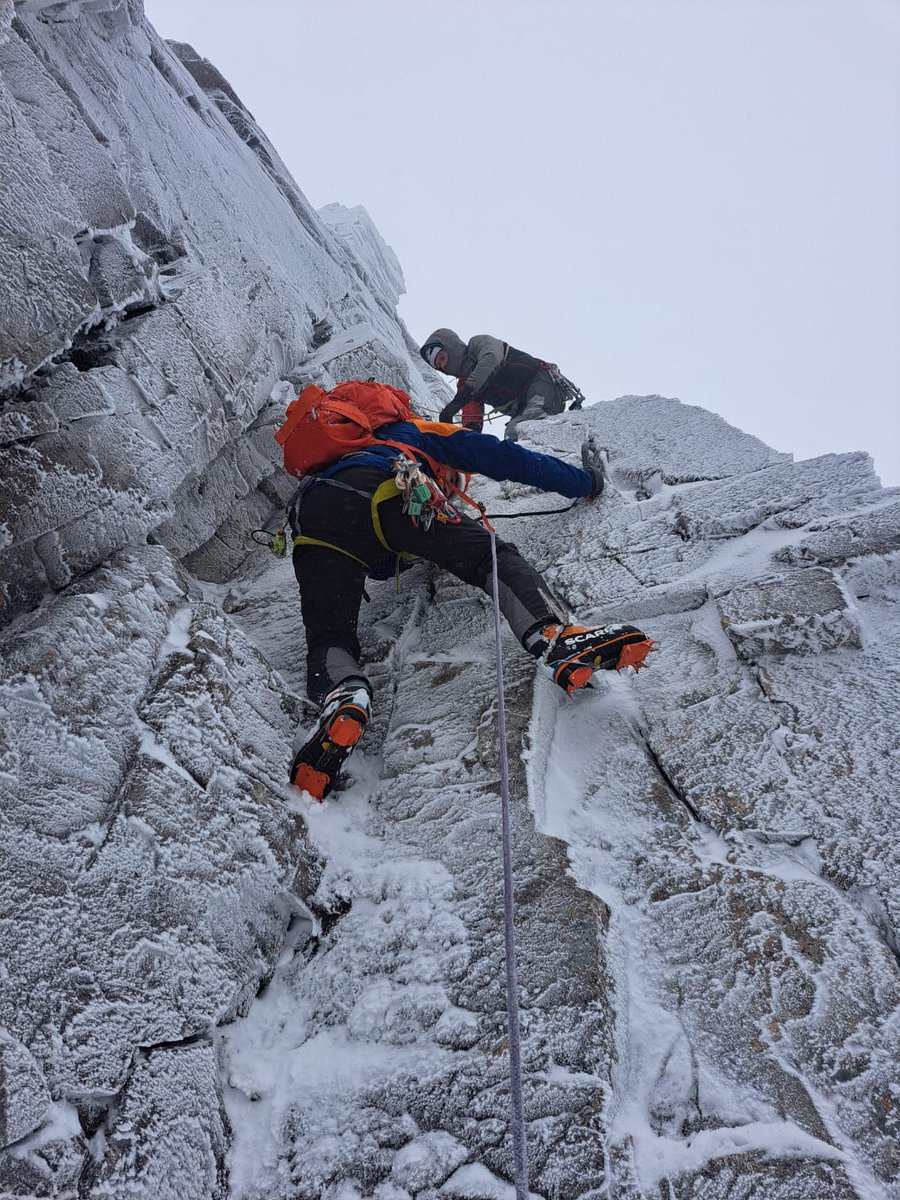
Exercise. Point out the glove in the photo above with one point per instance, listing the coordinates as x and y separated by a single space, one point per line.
593 464
463 395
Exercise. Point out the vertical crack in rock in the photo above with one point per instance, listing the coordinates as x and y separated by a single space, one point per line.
711 745
176 897
670 784
624 565
22 30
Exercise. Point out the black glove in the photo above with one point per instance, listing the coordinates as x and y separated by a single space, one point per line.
462 397
593 464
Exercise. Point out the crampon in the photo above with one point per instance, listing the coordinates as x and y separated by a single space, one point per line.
319 761
575 652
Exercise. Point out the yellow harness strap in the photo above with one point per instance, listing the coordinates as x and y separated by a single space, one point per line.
384 491
302 540
387 491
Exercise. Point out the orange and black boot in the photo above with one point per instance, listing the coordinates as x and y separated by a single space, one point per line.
345 714
570 654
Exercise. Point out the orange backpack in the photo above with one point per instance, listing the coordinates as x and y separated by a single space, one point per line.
320 427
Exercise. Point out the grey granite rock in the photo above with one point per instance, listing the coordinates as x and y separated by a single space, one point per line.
24 1097
180 307
797 612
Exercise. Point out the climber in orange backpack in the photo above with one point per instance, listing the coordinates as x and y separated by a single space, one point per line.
377 482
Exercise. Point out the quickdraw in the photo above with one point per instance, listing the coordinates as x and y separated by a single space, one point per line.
573 395
423 500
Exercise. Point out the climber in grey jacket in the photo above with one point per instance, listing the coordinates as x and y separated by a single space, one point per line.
494 374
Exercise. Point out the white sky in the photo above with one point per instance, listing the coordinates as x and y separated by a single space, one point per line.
699 198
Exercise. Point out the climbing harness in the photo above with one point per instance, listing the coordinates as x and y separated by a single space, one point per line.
423 502
517 1120
385 491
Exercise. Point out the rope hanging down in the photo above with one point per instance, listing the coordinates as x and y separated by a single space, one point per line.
517 1120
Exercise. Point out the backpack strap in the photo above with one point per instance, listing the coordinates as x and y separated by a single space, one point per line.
351 411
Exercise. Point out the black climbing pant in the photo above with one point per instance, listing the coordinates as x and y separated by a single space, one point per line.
332 583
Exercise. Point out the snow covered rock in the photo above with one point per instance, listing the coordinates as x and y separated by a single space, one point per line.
796 612
151 865
213 987
874 532
427 1161
24 1097
157 258
403 998
169 1134
376 262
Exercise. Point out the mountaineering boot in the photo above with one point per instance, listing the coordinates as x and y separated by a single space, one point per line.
345 714
570 654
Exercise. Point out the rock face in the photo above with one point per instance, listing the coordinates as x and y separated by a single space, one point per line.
795 612
710 987
212 987
162 278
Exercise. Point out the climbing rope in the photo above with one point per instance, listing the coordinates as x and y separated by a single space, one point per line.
535 512
517 1120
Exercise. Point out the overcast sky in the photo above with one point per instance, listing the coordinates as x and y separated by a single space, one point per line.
699 198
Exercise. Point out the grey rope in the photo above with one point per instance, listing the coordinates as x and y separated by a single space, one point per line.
517 1120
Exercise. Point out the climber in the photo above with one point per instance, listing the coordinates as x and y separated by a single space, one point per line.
389 493
493 373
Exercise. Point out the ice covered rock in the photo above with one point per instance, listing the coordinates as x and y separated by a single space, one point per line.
212 986
154 251
795 612
49 1162
651 441
875 532
150 859
427 1161
375 260
24 1096
169 1134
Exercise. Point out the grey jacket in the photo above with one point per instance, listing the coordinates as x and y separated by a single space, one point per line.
477 359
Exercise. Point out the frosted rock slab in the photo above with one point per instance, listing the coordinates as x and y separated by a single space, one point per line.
799 612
